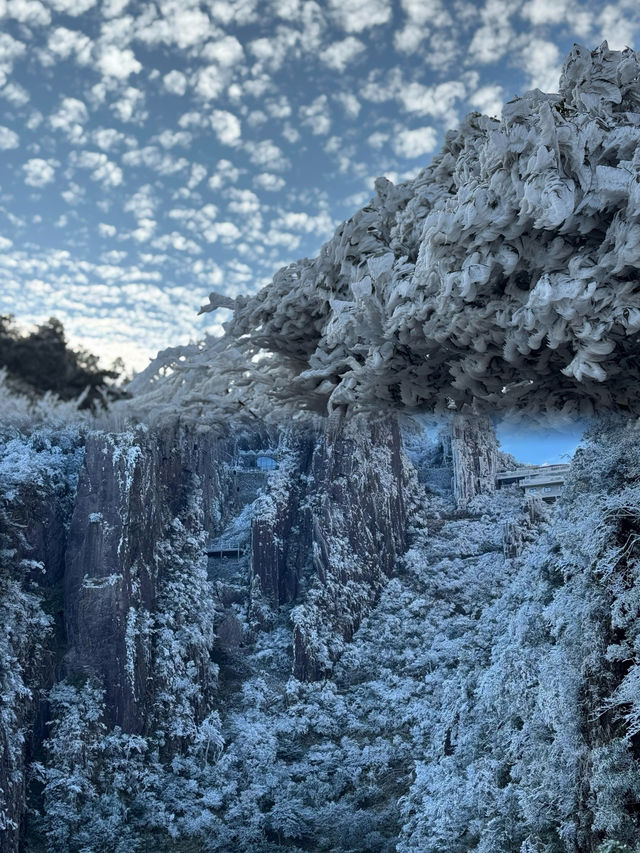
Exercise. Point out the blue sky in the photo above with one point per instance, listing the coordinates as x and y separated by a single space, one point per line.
152 151
539 444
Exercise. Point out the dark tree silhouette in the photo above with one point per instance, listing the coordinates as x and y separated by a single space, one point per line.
42 360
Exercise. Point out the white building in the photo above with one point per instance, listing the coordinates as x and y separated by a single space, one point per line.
545 481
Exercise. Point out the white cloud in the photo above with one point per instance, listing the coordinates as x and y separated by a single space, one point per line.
339 54
226 232
225 173
198 174
35 120
409 39
175 82
488 100
102 169
415 143
256 118
268 181
171 138
63 43
226 51
120 31
316 116
15 94
423 17
189 27
106 230
142 204
192 119
349 103
237 11
617 24
437 101
545 11
144 232
209 82
179 23
272 52
113 8
378 139
322 223
357 15
29 12
176 241
279 108
495 36
117 62
74 193
8 139
72 7
10 50
159 161
70 118
243 202
380 88
542 63
38 172
129 106
107 137
291 134
266 154
226 126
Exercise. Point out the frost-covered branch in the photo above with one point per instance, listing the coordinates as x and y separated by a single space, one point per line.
503 277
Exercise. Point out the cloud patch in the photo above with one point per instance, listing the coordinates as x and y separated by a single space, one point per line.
354 16
8 139
415 143
39 172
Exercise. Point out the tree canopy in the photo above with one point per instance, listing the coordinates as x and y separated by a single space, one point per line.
42 361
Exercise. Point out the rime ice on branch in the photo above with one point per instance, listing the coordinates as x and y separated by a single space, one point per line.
503 277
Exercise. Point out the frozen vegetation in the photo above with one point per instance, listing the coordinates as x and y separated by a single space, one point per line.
502 278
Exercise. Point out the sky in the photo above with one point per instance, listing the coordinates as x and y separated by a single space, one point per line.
541 444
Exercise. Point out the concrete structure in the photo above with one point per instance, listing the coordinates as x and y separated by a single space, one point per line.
544 481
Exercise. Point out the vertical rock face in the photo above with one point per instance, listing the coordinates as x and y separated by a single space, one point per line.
474 456
330 530
37 486
357 533
130 488
278 551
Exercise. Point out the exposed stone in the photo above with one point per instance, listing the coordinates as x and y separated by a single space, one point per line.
129 490
475 456
357 531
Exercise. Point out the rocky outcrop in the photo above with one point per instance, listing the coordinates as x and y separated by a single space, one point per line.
278 551
328 531
37 488
474 457
131 487
356 525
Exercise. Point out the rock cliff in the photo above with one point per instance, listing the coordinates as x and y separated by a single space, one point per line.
115 614
131 488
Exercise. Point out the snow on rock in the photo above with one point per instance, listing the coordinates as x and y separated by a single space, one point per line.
474 457
132 507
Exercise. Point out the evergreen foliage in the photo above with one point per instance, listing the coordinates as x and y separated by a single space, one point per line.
42 361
